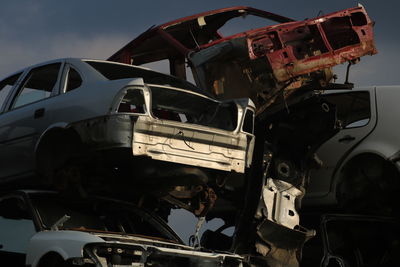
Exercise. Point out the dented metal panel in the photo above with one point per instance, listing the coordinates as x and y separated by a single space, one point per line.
192 145
302 47
279 198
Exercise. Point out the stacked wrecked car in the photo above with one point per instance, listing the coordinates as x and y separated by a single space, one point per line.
239 146
85 127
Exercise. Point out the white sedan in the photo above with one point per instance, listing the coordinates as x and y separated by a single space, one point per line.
76 112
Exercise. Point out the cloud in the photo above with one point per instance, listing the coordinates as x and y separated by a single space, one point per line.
17 54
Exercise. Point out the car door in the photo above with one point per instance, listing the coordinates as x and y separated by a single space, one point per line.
16 229
6 89
26 116
357 114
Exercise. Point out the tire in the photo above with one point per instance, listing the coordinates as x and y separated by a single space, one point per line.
57 157
370 185
53 260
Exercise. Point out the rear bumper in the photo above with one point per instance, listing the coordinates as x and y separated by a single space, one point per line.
169 141
192 145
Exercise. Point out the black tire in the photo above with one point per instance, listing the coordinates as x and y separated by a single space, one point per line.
54 260
370 185
56 155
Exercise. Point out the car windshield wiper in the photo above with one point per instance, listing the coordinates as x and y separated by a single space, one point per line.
60 222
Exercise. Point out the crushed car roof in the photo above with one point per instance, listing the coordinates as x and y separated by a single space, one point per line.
259 63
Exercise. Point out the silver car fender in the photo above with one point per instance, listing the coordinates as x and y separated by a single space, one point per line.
68 244
57 125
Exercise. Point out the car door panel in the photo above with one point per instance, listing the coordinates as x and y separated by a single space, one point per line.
28 116
355 129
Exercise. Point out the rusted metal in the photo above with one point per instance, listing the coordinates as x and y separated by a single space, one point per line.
259 63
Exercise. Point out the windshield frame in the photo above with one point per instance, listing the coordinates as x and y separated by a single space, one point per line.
151 218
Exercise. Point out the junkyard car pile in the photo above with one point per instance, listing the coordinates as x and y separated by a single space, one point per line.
239 147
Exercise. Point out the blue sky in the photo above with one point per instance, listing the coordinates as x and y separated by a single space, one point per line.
37 30
32 31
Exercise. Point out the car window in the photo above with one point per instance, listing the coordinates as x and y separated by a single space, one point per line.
353 109
117 71
16 225
5 88
74 80
38 85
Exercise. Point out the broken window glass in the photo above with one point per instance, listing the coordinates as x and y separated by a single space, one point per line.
177 105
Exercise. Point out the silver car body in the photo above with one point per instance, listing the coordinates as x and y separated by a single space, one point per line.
91 110
375 137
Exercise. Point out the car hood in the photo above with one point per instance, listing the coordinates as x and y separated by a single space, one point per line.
101 246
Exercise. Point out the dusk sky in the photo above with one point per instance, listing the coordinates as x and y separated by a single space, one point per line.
39 30
35 31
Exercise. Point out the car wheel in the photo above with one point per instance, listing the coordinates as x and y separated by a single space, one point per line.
53 260
55 152
369 185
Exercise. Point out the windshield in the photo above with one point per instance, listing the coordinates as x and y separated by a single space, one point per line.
101 215
114 71
178 105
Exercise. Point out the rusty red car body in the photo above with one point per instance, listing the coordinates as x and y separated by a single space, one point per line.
259 63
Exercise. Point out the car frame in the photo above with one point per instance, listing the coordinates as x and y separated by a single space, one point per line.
263 64
66 123
55 245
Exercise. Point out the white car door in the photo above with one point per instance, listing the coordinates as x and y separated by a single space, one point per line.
357 112
26 117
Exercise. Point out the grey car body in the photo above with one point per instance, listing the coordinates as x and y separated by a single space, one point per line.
36 231
360 170
47 108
